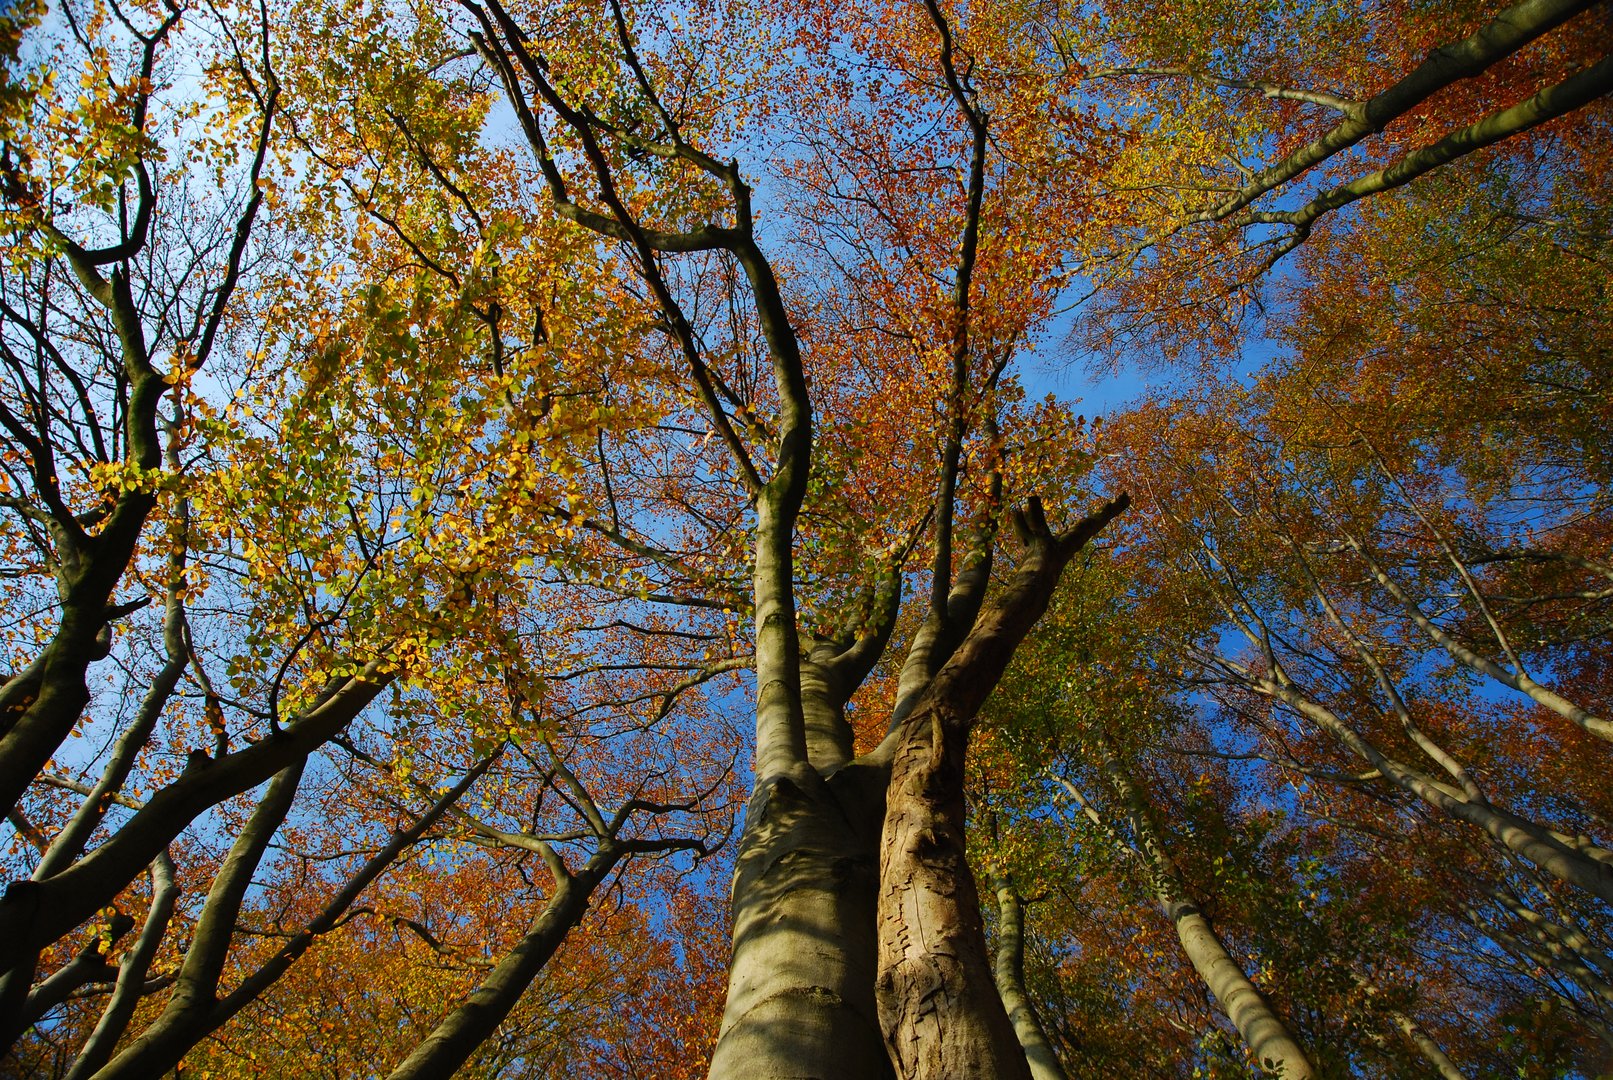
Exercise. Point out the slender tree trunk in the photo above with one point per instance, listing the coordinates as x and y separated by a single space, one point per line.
183 1019
132 972
1267 1037
169 1038
34 914
1273 1044
1425 1044
1428 1048
1570 863
455 1039
1044 1063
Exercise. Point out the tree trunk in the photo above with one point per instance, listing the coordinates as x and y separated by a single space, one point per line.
1270 1040
801 980
1033 1039
459 1034
1426 1046
938 1006
938 1003
809 981
1562 859
1267 1037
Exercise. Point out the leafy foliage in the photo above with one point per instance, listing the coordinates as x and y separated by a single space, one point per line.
418 422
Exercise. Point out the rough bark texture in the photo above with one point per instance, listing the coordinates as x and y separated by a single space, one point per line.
938 1006
938 1000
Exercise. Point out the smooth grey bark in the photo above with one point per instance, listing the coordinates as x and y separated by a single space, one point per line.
1536 844
87 967
802 975
832 670
1271 1041
1516 680
34 914
130 987
801 981
1574 860
1508 32
829 737
1425 1044
1572 93
1010 972
183 1019
1267 1037
165 1042
1428 1048
799 992
795 1003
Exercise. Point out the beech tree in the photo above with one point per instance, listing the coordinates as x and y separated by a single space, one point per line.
547 366
300 566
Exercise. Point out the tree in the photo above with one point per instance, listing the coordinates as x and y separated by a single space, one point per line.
554 414
301 568
1408 660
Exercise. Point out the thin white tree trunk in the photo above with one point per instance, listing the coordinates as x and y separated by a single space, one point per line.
1010 972
1268 1038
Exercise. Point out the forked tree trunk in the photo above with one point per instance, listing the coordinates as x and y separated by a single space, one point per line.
938 1003
808 900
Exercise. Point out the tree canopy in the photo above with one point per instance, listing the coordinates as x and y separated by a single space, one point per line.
558 538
